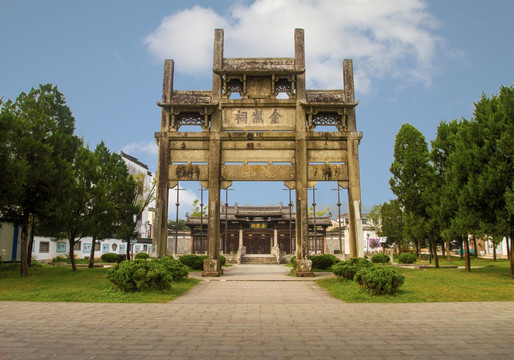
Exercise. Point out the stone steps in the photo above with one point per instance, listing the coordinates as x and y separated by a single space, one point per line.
259 259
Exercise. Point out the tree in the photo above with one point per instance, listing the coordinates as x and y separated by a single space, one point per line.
443 203
40 143
412 176
374 219
392 223
72 217
196 211
136 196
109 177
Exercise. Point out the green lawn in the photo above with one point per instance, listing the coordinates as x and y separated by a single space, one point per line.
84 285
490 282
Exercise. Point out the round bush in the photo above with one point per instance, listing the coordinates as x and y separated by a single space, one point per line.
222 259
407 258
347 269
139 275
380 258
142 256
379 280
110 257
194 262
324 261
176 269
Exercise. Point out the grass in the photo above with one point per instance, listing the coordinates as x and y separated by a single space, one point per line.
51 284
490 282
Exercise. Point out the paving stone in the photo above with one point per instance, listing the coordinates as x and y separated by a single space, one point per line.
268 318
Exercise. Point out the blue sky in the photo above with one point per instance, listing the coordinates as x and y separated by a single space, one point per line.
415 61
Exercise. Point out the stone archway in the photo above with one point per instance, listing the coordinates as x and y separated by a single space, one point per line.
260 136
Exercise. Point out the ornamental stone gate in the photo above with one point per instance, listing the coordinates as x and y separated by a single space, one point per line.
258 136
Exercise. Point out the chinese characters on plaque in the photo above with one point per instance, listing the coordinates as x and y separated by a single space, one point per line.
258 119
258 225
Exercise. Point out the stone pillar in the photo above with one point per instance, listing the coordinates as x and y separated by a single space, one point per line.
212 265
275 237
160 241
304 265
240 238
354 189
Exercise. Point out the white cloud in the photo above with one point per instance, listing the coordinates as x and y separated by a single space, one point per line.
186 198
148 147
391 38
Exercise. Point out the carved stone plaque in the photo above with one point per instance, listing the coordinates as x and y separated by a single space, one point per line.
259 119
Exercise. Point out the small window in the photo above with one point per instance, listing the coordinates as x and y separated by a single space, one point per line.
97 246
44 247
77 246
105 248
114 247
122 249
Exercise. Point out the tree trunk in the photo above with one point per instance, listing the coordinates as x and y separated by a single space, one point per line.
466 249
511 256
92 254
475 245
72 254
509 246
462 248
448 246
443 249
434 250
31 243
494 251
128 249
24 267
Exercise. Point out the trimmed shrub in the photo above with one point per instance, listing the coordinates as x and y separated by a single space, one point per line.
222 259
407 258
176 269
324 261
110 257
293 261
347 269
194 262
142 256
59 259
379 280
139 275
380 258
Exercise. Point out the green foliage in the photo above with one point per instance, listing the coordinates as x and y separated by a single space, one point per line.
110 257
293 261
181 224
223 260
379 280
324 261
380 258
194 262
347 269
196 209
407 258
142 256
59 258
176 269
139 275
392 222
9 266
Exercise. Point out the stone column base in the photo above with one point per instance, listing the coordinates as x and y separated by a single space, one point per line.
304 268
212 267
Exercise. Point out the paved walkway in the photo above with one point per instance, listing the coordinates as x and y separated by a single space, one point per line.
256 320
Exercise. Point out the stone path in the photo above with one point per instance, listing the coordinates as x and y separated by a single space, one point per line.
260 319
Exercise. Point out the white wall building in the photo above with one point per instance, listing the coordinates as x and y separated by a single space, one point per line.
135 167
